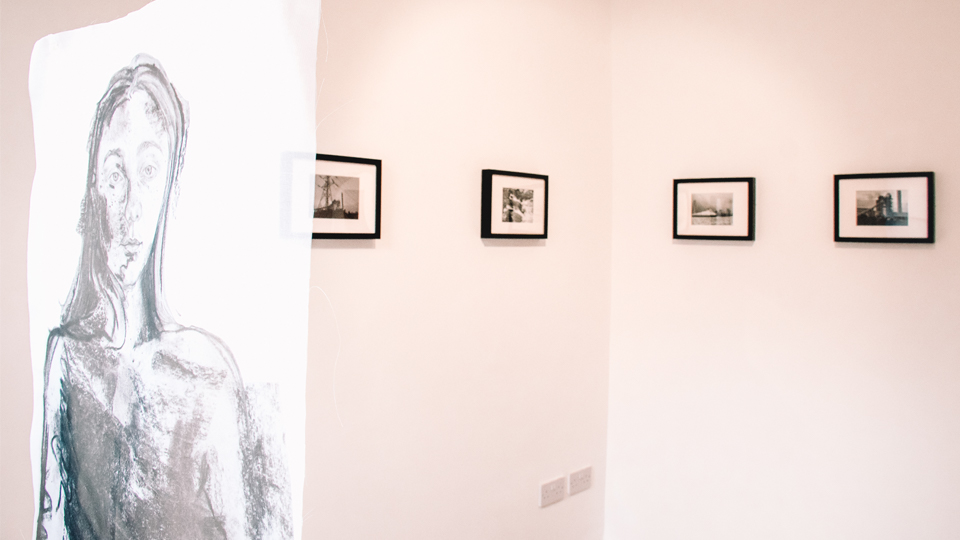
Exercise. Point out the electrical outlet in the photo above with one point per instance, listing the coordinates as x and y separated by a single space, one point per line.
553 491
581 480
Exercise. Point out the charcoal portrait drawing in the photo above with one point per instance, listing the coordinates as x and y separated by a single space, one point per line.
148 429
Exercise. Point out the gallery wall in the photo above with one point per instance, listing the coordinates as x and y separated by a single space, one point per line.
789 387
449 376
466 371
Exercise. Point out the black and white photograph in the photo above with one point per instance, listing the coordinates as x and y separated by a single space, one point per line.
713 209
336 197
884 207
513 205
517 205
346 201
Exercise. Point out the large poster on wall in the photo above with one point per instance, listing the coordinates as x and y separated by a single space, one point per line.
168 271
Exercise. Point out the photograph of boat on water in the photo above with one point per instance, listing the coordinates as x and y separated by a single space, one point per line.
346 201
513 205
336 197
713 209
884 207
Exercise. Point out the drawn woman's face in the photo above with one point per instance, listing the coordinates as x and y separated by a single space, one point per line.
131 177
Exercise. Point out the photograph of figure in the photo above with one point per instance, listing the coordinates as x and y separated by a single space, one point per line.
517 205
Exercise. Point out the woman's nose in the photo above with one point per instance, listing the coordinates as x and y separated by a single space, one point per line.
133 207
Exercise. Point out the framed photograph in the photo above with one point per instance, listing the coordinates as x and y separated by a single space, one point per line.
883 207
346 201
513 205
713 209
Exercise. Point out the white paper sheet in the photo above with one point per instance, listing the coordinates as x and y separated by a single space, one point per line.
186 421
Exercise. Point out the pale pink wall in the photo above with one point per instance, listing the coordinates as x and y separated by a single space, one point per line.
790 387
470 371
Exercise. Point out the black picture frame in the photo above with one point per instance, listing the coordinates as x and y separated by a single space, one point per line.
494 200
894 208
725 221
329 221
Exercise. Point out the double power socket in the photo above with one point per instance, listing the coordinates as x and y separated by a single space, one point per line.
555 490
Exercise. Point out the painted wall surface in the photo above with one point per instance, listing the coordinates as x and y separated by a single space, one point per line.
469 371
449 376
790 387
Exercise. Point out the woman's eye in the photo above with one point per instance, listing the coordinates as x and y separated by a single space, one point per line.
113 179
148 171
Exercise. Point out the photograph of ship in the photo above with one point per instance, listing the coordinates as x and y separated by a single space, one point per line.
882 208
517 205
336 197
712 208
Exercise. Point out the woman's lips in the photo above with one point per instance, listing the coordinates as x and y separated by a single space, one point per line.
131 247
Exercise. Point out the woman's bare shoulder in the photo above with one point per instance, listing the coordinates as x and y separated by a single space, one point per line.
197 353
83 356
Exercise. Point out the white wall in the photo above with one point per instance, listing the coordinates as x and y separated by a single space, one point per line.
468 371
790 387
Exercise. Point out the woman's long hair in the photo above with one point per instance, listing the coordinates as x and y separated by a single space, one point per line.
94 307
